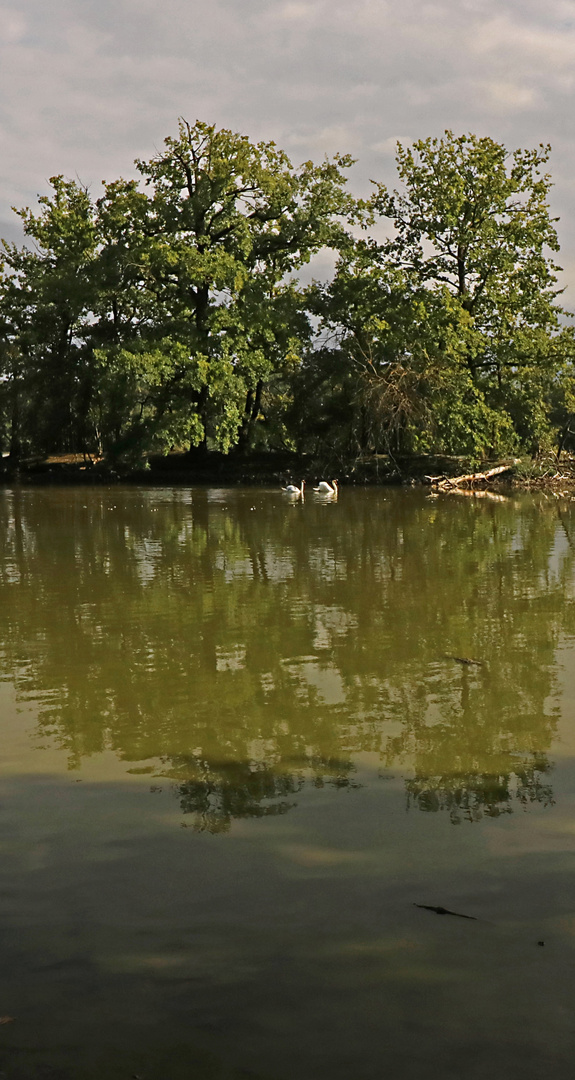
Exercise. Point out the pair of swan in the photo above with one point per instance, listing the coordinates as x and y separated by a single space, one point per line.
323 488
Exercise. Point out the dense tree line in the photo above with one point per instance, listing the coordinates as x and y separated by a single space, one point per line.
169 311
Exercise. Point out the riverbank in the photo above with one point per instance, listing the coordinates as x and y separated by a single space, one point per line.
281 467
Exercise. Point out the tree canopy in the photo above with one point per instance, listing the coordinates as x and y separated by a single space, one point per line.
453 323
170 312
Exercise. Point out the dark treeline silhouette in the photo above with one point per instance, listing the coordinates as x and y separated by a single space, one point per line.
169 312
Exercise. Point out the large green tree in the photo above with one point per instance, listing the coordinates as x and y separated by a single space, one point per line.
474 219
452 326
201 315
165 312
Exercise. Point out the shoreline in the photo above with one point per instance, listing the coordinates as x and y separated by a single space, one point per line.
434 472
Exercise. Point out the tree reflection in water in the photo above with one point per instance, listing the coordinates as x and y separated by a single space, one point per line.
217 793
471 795
249 652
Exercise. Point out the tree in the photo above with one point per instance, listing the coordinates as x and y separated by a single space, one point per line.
391 373
473 221
166 312
205 253
46 297
169 312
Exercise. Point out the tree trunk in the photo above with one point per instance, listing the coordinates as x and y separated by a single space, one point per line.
565 433
251 413
203 414
15 448
202 306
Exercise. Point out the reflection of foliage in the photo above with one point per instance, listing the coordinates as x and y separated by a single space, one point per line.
234 789
219 792
529 788
470 796
255 652
479 758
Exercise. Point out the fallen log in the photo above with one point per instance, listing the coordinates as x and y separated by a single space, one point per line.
469 479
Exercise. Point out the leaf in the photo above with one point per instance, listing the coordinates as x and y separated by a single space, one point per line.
7 1019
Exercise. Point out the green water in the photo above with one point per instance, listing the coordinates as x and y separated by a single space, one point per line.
239 746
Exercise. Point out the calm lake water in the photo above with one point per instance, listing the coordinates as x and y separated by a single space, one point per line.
240 746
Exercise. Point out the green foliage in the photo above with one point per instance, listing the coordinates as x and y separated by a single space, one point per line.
169 313
221 224
474 222
159 315
46 296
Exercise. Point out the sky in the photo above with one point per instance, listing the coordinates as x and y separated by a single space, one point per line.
88 85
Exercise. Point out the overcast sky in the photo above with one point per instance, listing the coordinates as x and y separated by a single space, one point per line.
88 85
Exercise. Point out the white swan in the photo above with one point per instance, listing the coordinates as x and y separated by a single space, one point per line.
325 488
295 491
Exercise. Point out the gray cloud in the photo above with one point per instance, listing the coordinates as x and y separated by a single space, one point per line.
87 85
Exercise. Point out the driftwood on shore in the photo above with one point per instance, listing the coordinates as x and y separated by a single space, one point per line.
469 480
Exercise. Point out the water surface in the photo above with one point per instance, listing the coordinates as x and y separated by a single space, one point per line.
242 739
